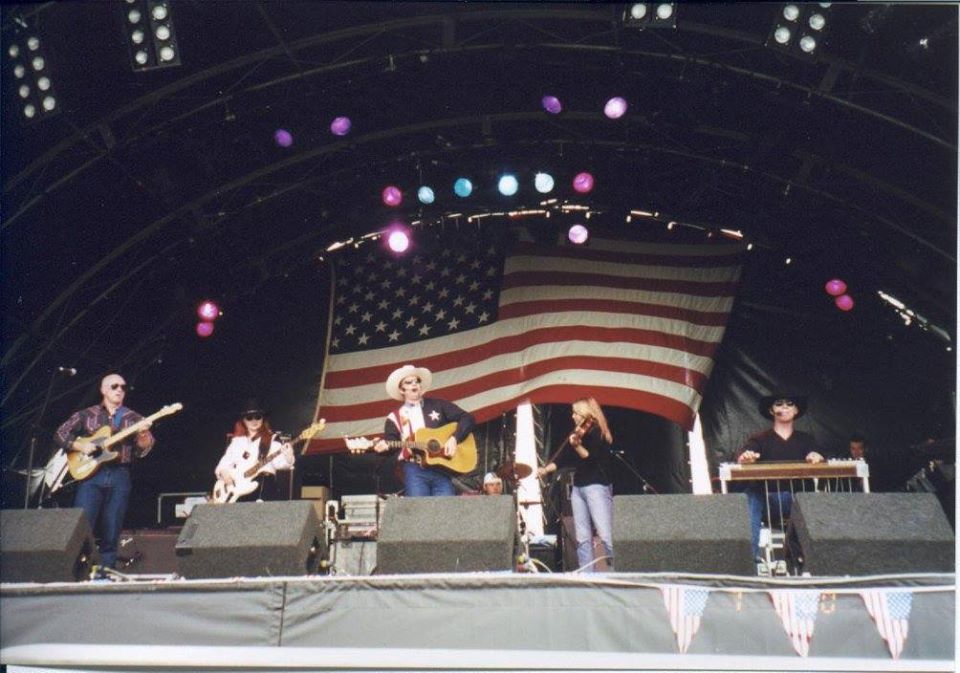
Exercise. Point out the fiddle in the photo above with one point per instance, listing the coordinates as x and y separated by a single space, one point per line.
581 430
573 439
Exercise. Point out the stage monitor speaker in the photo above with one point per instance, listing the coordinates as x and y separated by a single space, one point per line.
447 534
45 545
251 539
682 533
871 533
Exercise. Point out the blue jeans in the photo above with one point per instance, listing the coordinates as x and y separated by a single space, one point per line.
593 513
779 502
105 496
421 481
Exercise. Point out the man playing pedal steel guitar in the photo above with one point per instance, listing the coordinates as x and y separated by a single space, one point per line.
106 493
782 443
407 385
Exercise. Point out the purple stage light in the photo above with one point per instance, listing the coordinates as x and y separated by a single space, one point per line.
392 196
578 234
583 182
615 108
204 329
552 105
844 302
283 138
208 310
340 126
835 287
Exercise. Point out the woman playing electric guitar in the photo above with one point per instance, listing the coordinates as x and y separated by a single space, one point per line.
592 495
252 441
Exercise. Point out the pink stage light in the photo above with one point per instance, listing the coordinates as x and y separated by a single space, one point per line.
615 108
204 329
844 302
398 240
552 105
583 182
578 234
835 287
341 126
392 196
208 310
283 138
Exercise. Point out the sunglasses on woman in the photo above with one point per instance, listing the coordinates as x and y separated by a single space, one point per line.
253 417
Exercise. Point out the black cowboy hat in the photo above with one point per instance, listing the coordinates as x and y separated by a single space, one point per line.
252 406
767 401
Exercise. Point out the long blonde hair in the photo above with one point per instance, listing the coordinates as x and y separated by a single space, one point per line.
589 408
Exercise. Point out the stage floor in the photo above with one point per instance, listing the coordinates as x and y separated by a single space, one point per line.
481 621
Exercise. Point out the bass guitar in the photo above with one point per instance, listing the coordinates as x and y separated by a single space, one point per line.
83 465
245 479
427 448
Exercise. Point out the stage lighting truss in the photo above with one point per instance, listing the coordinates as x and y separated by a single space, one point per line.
800 28
151 38
30 68
650 15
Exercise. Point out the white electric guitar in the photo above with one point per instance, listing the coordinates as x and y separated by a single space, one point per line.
245 479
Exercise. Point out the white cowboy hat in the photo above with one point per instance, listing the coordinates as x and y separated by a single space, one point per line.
398 375
491 478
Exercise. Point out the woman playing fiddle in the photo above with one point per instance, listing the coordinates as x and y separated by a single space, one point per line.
592 495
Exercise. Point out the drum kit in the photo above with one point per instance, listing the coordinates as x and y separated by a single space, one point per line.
512 472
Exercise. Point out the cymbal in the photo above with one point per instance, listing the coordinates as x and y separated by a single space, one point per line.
514 471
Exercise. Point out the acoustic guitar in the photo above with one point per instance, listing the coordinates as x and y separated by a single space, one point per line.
83 466
427 448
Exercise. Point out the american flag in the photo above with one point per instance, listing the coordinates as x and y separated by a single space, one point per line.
890 611
633 325
798 610
685 606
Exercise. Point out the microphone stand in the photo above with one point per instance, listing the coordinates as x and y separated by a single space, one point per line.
647 488
33 443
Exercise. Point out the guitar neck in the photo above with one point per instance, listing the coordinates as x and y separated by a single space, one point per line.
141 424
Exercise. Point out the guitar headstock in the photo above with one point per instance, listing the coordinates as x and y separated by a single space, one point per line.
358 444
314 430
170 409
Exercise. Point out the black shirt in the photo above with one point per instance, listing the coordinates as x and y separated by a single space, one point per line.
772 446
595 468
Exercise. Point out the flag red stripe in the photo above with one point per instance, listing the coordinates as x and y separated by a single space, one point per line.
495 380
526 308
576 278
374 374
558 394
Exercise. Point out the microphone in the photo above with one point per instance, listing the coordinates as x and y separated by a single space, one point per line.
69 371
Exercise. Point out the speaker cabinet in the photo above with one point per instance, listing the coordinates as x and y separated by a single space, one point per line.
251 539
682 533
871 533
447 534
45 545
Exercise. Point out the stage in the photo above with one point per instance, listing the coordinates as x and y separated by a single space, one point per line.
478 621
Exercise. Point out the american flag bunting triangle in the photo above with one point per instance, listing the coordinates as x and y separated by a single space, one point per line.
685 606
798 612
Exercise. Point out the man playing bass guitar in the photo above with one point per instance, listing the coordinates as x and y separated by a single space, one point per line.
106 494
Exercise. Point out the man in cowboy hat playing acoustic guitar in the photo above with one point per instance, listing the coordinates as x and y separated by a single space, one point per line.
781 442
408 385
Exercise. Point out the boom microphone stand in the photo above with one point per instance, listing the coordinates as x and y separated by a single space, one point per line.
35 427
647 488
